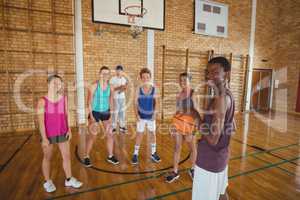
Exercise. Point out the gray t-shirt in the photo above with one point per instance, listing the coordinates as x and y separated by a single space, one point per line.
215 158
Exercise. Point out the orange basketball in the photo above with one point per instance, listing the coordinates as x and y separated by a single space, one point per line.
184 124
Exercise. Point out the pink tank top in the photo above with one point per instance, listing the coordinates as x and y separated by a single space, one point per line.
56 121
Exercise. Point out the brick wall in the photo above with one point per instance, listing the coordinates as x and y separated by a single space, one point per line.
34 35
288 53
278 42
116 46
266 35
42 38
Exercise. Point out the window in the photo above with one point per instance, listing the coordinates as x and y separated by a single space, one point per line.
201 26
220 29
216 10
206 7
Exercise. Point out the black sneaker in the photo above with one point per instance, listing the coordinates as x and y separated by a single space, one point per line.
191 173
172 177
123 130
114 130
155 158
87 162
135 160
112 160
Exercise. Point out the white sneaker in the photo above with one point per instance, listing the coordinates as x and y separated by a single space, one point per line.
49 186
73 182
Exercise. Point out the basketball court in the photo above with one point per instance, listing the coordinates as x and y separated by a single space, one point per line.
74 39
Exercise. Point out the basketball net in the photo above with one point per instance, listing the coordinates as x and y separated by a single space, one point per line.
135 20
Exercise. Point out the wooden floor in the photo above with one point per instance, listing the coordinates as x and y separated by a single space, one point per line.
265 164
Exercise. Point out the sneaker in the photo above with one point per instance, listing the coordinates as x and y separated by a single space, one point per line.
49 186
114 130
112 160
73 182
87 162
123 130
172 177
191 173
155 158
135 160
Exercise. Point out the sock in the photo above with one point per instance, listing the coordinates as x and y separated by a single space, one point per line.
153 148
136 150
110 156
68 178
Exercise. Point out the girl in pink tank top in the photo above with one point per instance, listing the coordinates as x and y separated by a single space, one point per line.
56 119
52 111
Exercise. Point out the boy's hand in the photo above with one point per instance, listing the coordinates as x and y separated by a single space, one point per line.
137 117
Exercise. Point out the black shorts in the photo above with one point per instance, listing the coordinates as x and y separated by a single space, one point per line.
101 116
57 139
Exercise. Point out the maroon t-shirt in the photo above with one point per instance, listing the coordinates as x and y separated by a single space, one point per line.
215 158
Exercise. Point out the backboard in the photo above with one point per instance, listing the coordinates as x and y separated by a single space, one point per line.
114 12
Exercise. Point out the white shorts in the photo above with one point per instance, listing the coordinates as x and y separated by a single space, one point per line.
141 124
208 185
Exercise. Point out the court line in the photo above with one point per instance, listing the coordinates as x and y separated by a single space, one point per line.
269 150
264 150
111 185
14 154
285 170
274 155
231 177
129 173
153 176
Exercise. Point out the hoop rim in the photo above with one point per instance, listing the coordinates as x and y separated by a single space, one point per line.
144 11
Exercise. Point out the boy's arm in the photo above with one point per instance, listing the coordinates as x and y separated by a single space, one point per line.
122 87
136 105
220 105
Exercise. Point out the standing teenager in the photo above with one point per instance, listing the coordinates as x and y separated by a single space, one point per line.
100 105
52 111
211 171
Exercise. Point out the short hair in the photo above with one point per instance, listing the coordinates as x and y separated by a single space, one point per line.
222 61
53 76
119 67
103 68
145 71
186 75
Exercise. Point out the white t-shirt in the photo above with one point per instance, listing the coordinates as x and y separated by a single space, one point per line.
116 82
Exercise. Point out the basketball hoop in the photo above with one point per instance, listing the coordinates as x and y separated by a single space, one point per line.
135 14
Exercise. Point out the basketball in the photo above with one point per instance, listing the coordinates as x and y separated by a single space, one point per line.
184 124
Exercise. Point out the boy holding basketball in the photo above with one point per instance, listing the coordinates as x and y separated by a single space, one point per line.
145 110
211 171
185 122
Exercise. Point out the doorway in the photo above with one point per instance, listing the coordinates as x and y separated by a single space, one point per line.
261 90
